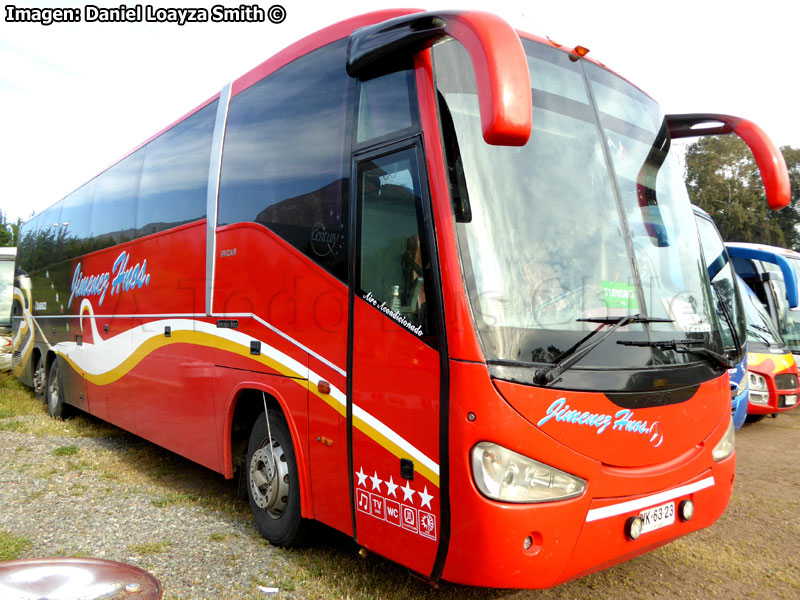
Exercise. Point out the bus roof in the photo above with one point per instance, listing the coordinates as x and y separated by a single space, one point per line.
311 42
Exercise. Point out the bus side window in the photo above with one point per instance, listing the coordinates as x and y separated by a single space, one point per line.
174 180
113 219
286 157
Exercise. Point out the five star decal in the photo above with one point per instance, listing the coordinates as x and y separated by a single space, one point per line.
425 498
362 477
378 498
408 493
391 486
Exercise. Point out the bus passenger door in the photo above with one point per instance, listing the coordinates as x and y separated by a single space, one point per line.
394 387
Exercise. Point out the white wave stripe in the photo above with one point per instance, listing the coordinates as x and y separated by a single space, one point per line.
27 326
106 355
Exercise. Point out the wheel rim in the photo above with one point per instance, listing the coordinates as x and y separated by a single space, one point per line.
52 389
269 480
39 379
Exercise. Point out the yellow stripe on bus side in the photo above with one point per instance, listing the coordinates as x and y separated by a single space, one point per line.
197 338
200 338
390 446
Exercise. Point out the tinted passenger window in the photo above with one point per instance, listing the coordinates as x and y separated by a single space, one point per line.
48 236
114 207
37 240
174 180
27 243
286 157
76 218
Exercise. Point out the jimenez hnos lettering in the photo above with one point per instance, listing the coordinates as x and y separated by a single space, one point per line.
622 420
121 278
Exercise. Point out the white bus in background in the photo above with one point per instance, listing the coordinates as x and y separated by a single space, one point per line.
7 258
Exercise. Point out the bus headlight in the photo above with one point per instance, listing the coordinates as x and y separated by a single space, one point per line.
739 389
726 445
502 474
759 393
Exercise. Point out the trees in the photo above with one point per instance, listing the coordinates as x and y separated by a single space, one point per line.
9 232
723 179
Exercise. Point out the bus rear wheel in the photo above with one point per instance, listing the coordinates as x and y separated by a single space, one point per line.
55 391
40 378
273 484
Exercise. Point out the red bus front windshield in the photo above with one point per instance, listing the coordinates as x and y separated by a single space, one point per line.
589 221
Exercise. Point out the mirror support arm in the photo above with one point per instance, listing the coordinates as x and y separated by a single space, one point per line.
498 60
768 157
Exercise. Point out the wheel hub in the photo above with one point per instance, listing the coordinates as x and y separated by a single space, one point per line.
269 480
38 379
52 390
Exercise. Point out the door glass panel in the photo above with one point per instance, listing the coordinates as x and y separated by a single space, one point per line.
394 263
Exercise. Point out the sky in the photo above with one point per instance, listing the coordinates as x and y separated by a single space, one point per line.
76 97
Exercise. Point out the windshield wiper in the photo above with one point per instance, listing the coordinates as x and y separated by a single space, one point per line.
755 329
572 355
684 347
727 314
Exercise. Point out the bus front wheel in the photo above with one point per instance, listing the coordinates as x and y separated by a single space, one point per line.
273 485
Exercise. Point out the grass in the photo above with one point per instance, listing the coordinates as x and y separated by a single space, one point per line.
70 450
728 560
21 412
150 547
172 498
12 546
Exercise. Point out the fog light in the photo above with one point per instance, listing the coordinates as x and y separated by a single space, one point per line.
686 510
633 527
527 543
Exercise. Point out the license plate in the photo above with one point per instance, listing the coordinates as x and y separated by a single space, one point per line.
658 517
790 400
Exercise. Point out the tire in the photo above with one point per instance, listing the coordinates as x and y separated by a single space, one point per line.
55 392
275 501
40 378
754 418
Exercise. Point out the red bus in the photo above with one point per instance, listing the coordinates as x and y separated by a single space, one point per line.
422 278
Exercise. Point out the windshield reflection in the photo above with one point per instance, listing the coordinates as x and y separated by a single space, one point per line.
547 232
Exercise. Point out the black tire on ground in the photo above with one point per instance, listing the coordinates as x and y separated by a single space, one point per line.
273 488
754 418
40 378
55 392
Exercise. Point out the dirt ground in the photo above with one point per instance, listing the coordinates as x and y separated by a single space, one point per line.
751 552
81 488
